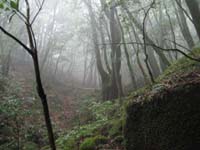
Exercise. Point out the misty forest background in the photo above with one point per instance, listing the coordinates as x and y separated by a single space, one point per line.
99 74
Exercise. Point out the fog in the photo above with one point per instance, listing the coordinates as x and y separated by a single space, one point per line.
73 50
64 38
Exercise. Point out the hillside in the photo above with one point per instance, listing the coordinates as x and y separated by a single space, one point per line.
164 115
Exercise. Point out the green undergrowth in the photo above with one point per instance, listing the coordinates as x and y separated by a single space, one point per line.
104 125
72 138
20 126
85 136
106 120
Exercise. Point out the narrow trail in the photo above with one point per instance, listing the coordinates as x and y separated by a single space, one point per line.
61 100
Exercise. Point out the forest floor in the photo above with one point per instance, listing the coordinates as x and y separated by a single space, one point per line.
180 74
62 101
81 120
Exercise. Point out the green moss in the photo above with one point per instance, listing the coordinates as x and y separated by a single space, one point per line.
70 140
92 142
116 128
100 140
168 121
177 68
88 144
182 65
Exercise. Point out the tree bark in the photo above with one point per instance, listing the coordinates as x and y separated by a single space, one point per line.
116 52
43 98
193 6
184 27
131 72
104 46
109 91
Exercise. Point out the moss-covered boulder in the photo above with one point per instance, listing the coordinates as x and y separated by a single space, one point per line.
169 121
166 116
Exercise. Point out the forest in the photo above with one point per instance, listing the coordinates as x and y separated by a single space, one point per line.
99 74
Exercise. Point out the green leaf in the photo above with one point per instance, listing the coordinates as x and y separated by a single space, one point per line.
1 6
9 4
2 3
14 4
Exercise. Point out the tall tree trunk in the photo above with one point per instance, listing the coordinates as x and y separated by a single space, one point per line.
109 91
50 42
34 53
104 46
193 6
161 39
184 27
172 30
138 57
85 66
116 51
115 34
131 72
43 98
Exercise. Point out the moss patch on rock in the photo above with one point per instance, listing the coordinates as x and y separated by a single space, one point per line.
168 121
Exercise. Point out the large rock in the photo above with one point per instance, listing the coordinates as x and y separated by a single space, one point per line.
167 120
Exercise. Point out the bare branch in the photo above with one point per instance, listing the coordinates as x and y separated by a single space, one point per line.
33 35
175 50
22 15
27 11
17 40
36 15
21 18
163 49
144 39
189 50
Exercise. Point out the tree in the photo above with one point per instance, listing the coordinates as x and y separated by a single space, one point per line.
33 52
152 60
104 75
183 25
193 6
109 10
134 84
111 80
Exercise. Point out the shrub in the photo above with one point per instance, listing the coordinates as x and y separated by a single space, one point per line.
92 142
70 144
